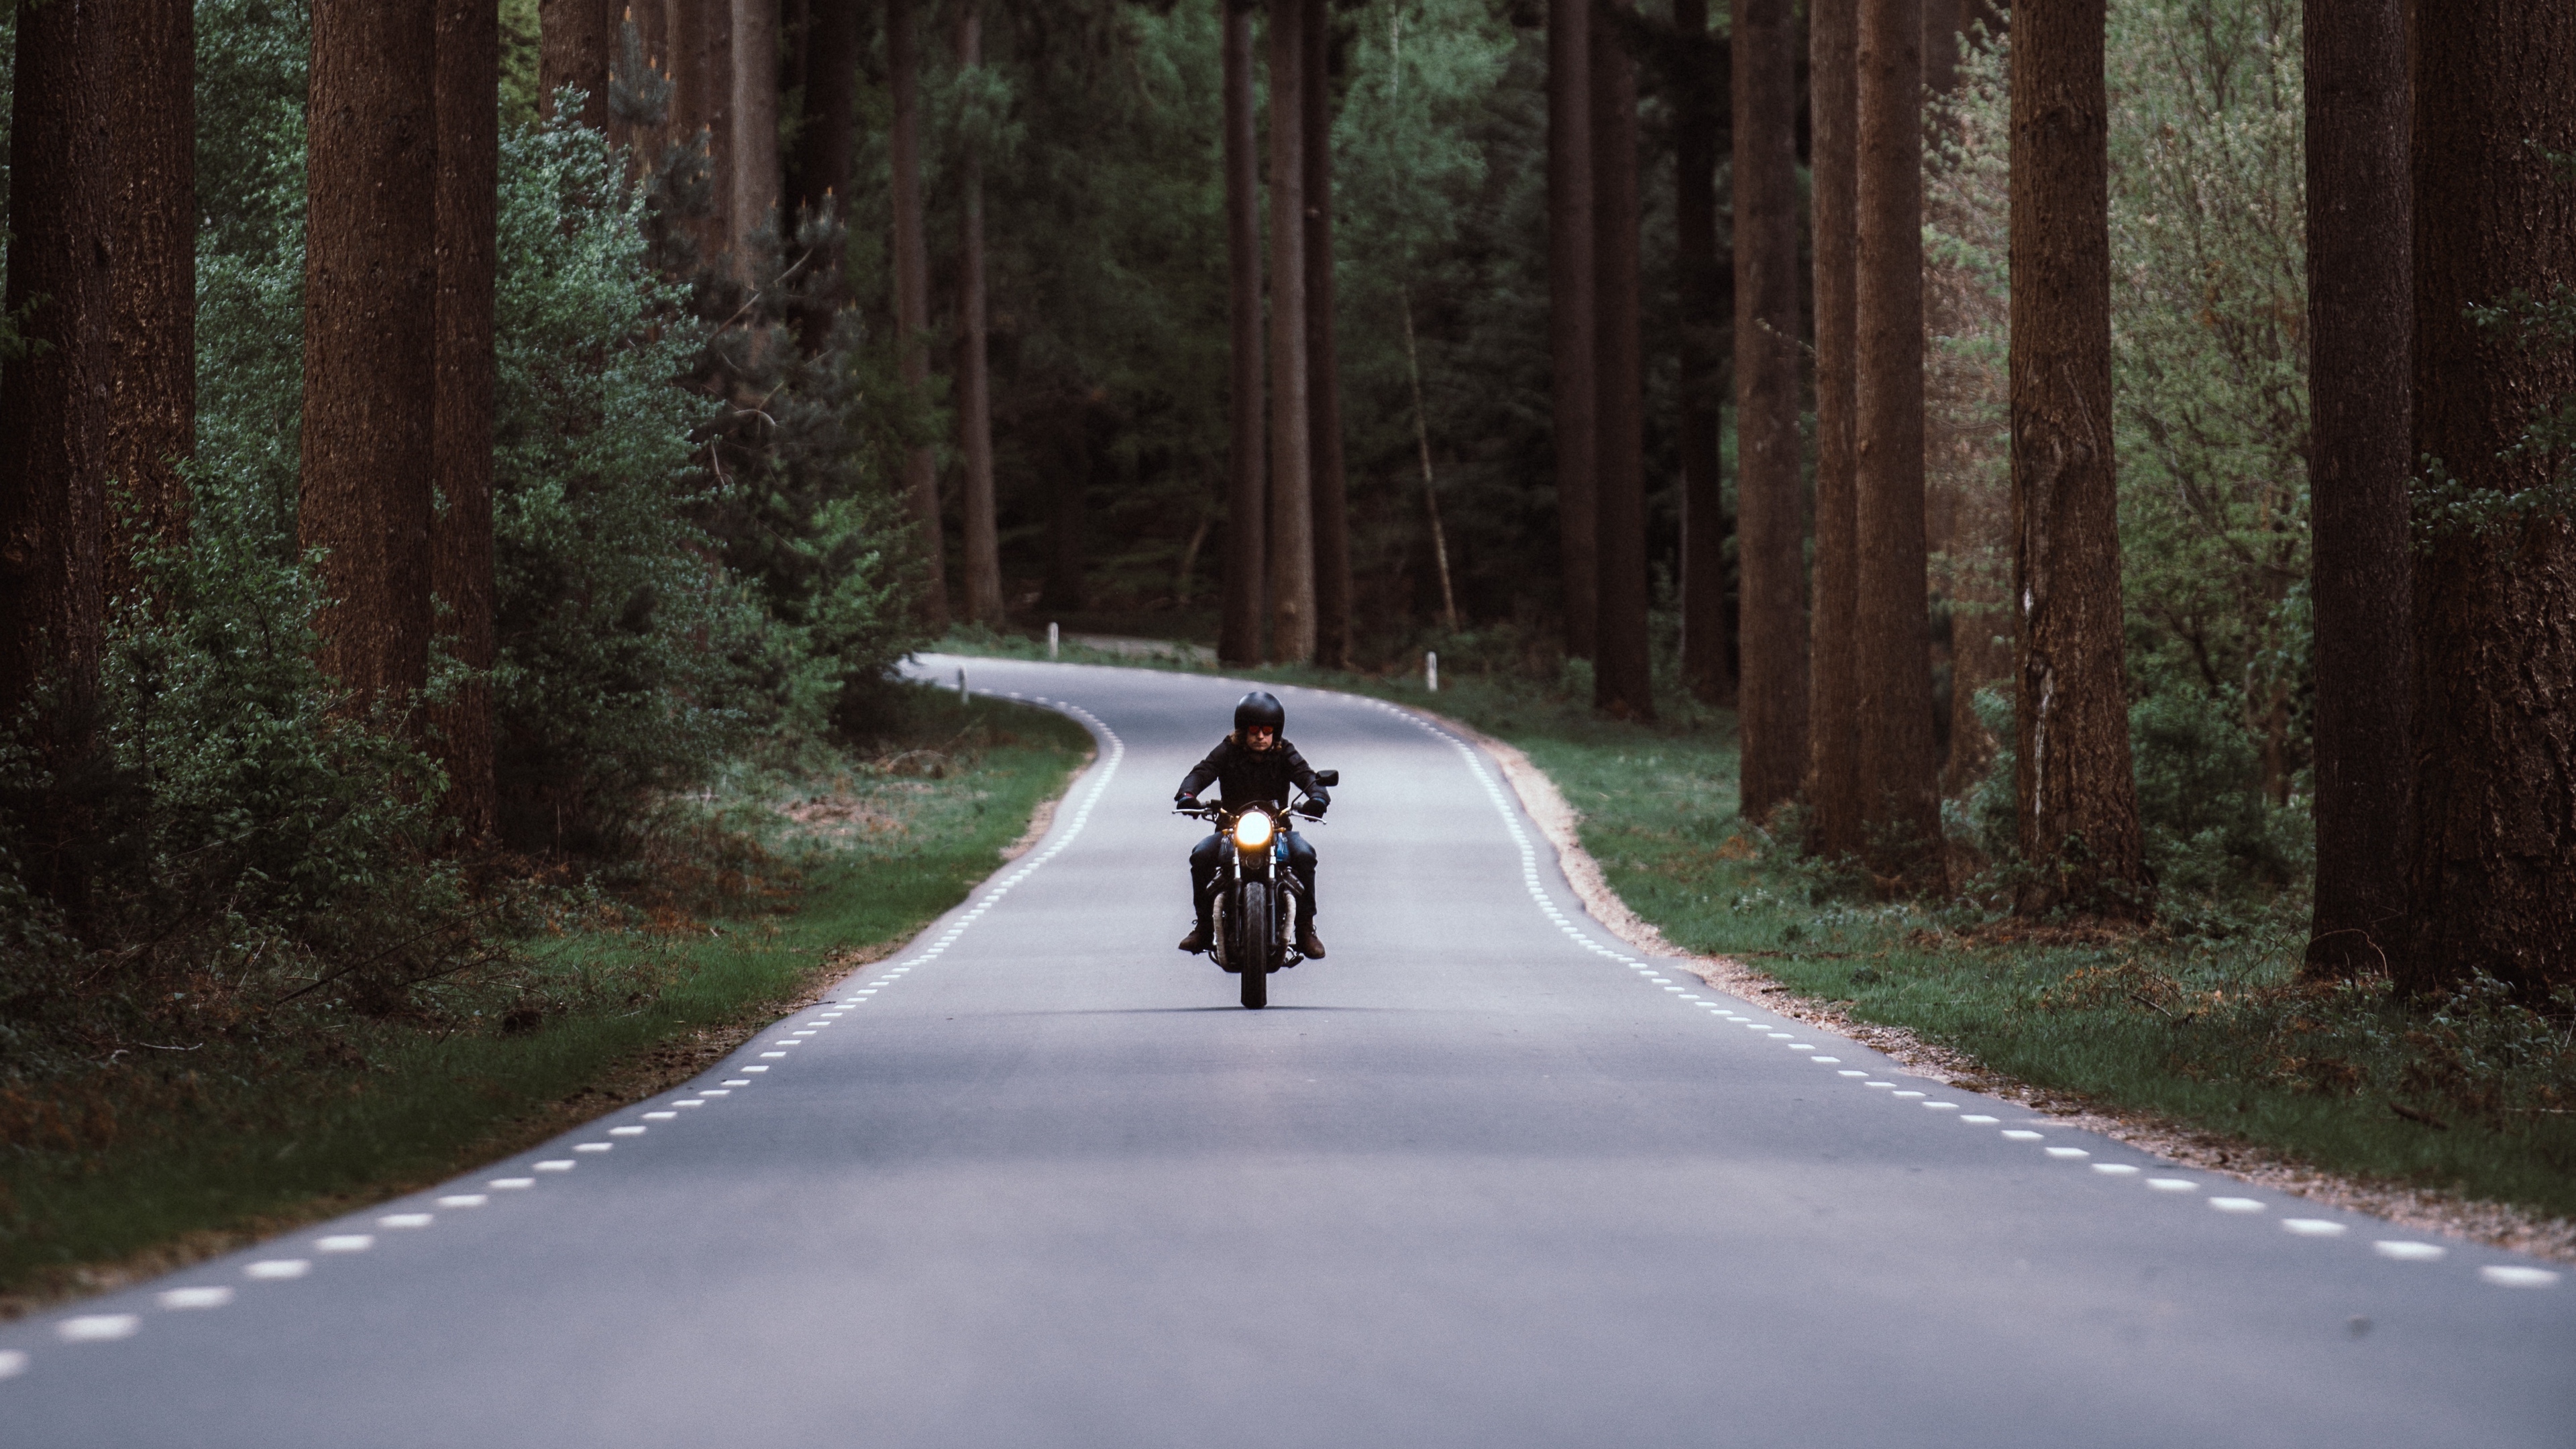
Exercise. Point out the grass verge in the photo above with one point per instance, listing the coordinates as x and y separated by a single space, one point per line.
2200 1027
135 1177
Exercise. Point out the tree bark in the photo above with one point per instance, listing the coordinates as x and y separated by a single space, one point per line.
460 533
1891 627
1622 681
153 328
54 406
370 313
756 180
700 33
1570 309
827 144
2492 873
1292 523
1247 560
1771 703
912 305
827 149
574 41
1833 699
1063 588
2360 326
2078 801
974 375
1944 21
1708 606
1323 362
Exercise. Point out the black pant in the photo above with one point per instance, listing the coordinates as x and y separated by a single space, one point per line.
1208 854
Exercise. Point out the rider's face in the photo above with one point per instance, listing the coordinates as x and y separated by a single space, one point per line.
1259 737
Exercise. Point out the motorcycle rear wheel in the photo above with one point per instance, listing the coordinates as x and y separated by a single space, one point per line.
1253 946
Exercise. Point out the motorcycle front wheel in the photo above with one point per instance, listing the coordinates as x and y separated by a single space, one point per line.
1252 947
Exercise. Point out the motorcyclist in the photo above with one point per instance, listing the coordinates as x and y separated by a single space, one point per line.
1255 762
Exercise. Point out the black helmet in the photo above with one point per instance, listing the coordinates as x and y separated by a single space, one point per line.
1260 707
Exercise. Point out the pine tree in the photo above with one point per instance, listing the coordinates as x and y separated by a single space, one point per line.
1247 560
2492 873
1570 309
753 199
1621 682
468 142
827 147
1833 718
912 304
2078 803
53 410
2360 311
1772 699
1708 606
370 307
1323 367
1292 523
1890 623
153 327
974 372
574 41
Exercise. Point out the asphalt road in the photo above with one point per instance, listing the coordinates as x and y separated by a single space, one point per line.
1484 1177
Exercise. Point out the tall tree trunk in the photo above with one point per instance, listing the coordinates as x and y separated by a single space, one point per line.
2492 879
460 533
1292 523
1771 703
370 315
1570 309
1622 682
1063 589
55 400
754 195
912 304
2361 324
974 377
1833 697
1708 615
2078 801
1891 627
1247 560
701 40
827 144
1944 21
1323 362
574 41
154 325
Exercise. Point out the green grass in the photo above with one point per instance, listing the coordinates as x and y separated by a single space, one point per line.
2208 1031
261 1139
2212 1034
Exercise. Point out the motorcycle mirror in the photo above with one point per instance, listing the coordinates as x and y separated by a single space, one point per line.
1328 778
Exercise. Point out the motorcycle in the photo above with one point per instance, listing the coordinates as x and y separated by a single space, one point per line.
1256 905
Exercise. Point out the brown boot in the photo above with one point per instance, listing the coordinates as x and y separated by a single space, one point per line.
1310 945
1199 938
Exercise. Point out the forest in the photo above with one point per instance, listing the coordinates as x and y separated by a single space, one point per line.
2108 462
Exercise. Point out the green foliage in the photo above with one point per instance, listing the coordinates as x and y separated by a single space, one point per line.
628 664
2210 418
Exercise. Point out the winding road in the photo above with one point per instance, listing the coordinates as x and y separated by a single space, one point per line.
1484 1177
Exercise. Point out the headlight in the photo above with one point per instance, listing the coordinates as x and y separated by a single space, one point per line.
1252 830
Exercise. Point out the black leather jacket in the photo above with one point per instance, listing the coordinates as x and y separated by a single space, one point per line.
1246 775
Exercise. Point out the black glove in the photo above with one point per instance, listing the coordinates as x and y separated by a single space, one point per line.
1315 805
1186 801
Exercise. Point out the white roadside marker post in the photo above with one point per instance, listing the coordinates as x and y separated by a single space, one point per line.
1051 637
961 684
1431 671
